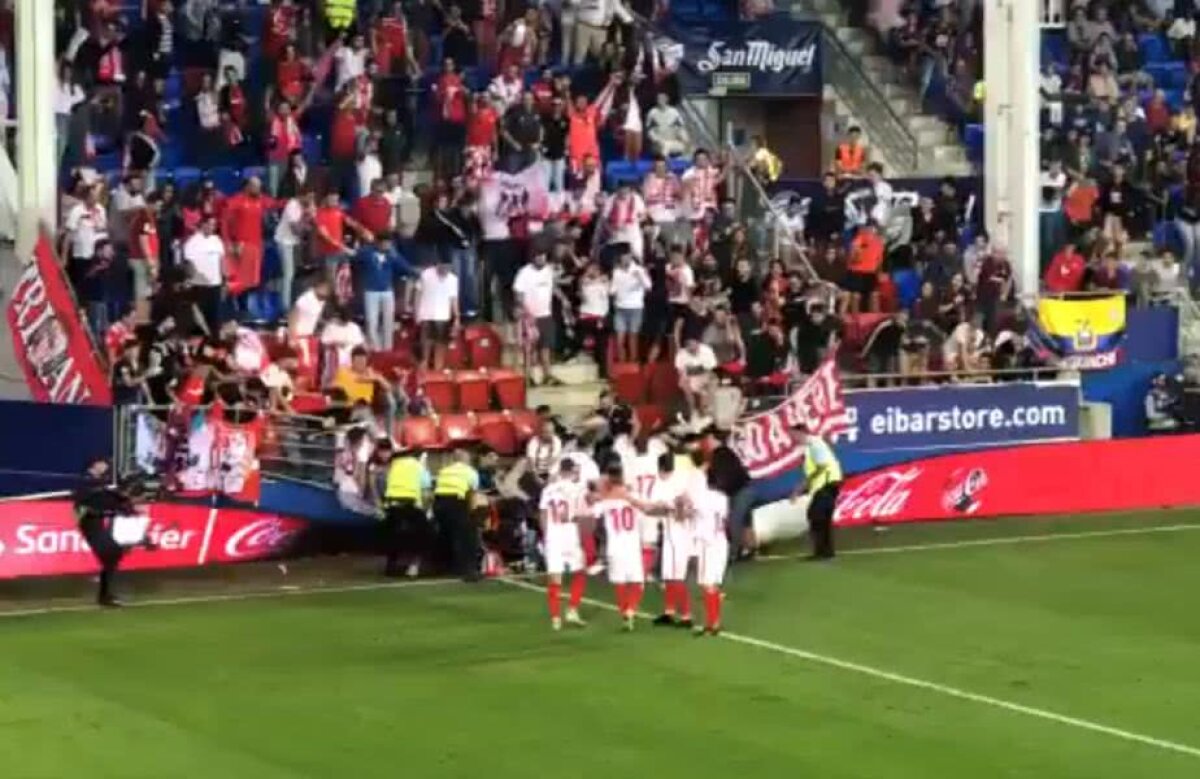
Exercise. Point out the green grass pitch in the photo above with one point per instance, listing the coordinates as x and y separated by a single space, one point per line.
1077 657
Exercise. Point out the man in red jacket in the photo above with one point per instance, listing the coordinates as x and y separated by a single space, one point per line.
1066 270
374 211
242 231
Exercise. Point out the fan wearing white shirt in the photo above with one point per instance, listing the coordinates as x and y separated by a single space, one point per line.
295 224
534 288
303 320
696 363
593 314
204 252
350 62
622 218
436 303
630 283
340 337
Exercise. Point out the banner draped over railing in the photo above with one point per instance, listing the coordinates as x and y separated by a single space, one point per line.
1083 332
49 340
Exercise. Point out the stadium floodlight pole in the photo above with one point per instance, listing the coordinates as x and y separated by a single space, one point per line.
1012 50
37 167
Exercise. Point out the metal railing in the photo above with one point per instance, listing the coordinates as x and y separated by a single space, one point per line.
1189 322
149 443
866 101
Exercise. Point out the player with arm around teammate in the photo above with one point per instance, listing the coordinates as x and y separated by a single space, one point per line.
618 511
563 509
678 543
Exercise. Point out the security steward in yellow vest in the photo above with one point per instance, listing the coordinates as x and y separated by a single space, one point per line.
452 513
339 15
405 525
822 483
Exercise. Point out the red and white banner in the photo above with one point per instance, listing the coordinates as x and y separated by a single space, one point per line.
42 538
49 341
203 452
1044 479
764 441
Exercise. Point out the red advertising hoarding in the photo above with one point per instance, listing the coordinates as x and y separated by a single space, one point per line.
1076 477
41 538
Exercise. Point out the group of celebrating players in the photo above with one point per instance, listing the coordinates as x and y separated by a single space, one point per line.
647 504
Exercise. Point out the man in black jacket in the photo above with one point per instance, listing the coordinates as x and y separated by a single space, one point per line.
97 503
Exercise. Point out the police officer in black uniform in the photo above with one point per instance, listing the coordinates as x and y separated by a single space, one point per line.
97 502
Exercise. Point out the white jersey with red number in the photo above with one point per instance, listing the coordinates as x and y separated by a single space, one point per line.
641 474
623 539
700 187
562 503
711 512
679 545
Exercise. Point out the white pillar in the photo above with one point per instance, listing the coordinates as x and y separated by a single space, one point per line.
1012 52
37 168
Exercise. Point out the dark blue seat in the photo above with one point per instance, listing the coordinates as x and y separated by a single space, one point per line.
1154 48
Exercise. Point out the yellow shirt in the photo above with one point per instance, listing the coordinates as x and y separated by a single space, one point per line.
356 387
819 456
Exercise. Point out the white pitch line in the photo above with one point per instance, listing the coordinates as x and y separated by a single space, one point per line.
1034 539
909 681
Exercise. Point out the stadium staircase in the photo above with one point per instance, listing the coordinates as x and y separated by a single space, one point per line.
857 70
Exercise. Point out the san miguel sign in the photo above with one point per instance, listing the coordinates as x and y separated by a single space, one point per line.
775 55
49 340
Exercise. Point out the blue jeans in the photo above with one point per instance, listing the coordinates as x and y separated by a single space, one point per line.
287 272
97 316
274 177
380 308
758 492
465 263
556 175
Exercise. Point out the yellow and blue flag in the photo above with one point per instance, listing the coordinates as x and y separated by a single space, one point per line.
1074 326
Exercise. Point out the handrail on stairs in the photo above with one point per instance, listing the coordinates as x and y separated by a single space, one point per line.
866 100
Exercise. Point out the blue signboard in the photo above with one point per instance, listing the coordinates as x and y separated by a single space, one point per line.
775 55
922 421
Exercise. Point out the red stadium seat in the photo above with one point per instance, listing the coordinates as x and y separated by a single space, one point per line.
525 425
509 386
441 390
309 403
496 431
391 364
420 433
628 380
858 328
459 428
485 347
664 383
474 390
456 354
651 417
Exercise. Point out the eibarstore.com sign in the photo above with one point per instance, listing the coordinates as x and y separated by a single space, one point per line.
926 420
1048 479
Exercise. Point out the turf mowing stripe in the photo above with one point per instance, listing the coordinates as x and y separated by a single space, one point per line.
1133 531
909 681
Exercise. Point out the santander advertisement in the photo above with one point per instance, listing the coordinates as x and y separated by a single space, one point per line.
41 538
1076 477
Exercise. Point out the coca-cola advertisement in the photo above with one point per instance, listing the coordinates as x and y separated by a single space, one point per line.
41 538
1042 479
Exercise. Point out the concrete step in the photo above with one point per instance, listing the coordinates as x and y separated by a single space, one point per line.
571 402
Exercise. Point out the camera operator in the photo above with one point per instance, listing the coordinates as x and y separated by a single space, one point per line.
1164 404
97 504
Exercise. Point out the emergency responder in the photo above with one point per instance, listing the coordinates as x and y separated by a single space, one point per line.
405 523
97 503
822 482
452 513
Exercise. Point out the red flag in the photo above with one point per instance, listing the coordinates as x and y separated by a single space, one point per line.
54 350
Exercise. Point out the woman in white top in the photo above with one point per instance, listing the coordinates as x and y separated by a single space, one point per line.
631 125
208 114
630 282
592 327
67 95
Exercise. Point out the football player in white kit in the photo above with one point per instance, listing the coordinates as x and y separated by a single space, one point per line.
641 475
616 508
710 513
563 505
678 546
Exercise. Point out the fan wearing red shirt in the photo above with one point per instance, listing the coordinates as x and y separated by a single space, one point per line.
329 238
343 142
284 139
291 73
144 253
242 231
482 134
543 92
450 101
393 49
374 211
1066 271
280 27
